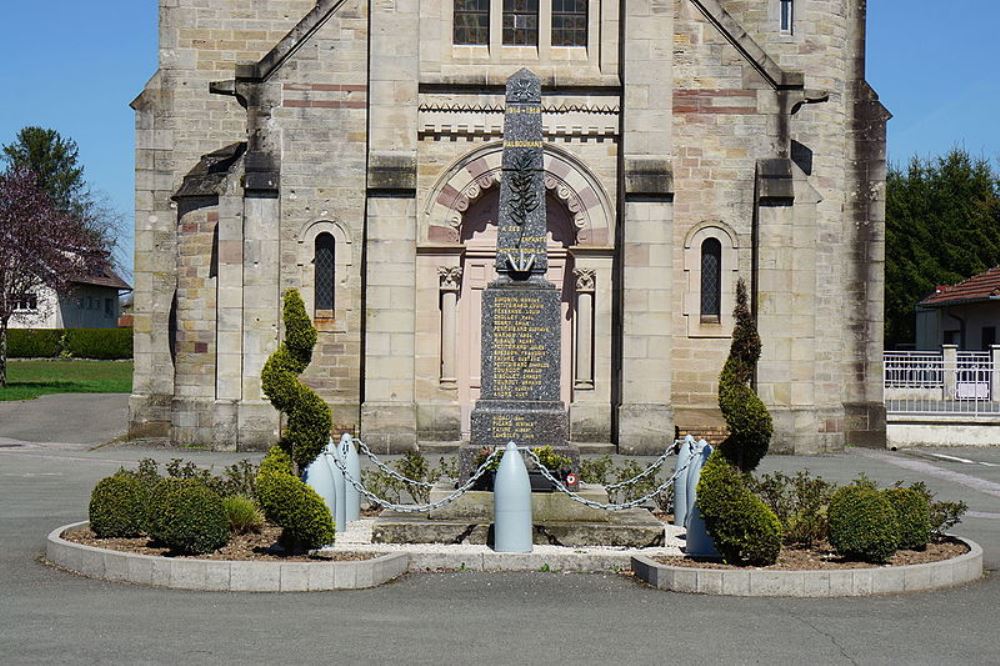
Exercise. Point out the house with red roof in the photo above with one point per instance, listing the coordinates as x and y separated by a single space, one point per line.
966 314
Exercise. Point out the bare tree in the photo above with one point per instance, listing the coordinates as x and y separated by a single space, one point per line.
41 244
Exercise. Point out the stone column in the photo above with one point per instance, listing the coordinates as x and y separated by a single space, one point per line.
451 285
995 373
586 287
645 414
950 353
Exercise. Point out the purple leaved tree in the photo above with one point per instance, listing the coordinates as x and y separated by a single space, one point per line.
40 245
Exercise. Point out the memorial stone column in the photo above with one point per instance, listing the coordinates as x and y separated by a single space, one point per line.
520 396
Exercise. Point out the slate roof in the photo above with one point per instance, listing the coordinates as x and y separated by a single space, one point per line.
977 289
108 279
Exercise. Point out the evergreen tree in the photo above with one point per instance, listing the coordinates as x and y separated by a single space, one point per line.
942 226
55 162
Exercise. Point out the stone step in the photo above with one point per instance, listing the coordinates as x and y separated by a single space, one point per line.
636 528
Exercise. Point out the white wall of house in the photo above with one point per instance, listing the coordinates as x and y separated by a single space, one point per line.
967 326
87 306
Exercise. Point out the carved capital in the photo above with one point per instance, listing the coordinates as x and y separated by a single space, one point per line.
451 278
586 280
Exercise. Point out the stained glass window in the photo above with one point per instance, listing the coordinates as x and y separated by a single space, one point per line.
569 22
711 279
520 22
324 279
472 22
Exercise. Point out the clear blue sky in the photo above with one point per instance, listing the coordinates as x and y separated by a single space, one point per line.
75 66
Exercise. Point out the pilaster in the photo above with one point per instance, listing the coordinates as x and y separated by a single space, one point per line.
645 414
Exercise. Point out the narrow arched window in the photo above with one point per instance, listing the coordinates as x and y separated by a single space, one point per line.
711 280
787 15
324 279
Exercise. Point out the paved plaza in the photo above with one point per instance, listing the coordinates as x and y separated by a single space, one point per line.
47 616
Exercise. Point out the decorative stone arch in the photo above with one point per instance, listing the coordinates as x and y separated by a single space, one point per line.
565 176
343 260
696 237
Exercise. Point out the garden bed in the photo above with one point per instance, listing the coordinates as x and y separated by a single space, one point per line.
241 548
823 557
339 571
962 563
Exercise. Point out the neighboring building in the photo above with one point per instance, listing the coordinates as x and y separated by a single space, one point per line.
351 149
92 303
966 314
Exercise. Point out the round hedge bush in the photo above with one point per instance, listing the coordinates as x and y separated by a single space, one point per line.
745 530
187 517
302 514
863 524
117 507
913 513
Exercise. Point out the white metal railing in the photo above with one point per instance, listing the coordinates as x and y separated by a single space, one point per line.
949 383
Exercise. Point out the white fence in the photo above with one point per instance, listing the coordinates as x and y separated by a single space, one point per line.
949 383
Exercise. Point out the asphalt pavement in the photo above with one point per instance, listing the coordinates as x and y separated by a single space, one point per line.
49 616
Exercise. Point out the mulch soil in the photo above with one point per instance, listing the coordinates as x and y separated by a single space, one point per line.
823 557
241 547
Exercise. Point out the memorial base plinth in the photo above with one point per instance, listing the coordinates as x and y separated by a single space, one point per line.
636 528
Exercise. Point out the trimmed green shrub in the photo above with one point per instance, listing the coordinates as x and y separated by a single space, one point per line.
33 343
913 513
309 419
745 530
750 425
243 515
99 343
118 507
187 517
302 514
863 524
93 343
944 515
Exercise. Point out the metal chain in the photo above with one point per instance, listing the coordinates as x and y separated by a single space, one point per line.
388 470
599 505
649 470
416 508
423 484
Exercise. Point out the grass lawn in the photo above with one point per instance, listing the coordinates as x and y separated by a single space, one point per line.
26 380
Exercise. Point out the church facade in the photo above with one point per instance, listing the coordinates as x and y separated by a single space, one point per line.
352 149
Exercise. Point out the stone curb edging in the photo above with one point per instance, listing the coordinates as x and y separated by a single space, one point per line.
219 575
831 583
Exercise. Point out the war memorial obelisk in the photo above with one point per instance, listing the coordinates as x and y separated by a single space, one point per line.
520 398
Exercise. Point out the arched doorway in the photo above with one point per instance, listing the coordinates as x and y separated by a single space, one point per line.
478 234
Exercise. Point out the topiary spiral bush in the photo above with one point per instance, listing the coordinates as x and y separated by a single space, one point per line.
863 524
309 419
750 425
118 507
187 517
913 513
287 501
745 530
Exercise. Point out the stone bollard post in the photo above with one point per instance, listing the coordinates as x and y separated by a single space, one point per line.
699 543
349 454
340 501
680 484
950 357
513 528
319 477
